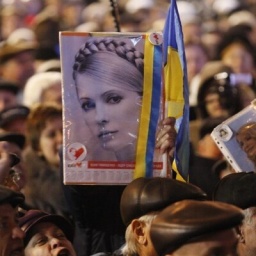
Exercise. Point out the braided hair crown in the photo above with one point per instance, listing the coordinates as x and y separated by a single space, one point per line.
121 48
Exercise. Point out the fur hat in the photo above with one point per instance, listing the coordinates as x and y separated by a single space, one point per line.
145 195
188 220
37 84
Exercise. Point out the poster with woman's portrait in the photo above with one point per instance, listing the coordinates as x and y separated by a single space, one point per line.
236 138
112 104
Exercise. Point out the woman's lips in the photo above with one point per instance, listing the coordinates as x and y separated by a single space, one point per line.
106 135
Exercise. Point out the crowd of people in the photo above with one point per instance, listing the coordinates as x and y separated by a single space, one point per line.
39 215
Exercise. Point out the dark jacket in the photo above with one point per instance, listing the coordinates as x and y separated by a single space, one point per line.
44 189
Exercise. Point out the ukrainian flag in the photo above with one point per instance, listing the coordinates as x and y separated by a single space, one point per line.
176 88
150 109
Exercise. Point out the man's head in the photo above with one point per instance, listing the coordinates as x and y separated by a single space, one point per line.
17 61
11 236
47 234
8 94
239 189
141 201
13 119
191 227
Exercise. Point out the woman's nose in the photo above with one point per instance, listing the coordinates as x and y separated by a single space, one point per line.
101 115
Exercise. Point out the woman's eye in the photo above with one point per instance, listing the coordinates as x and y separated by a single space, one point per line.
88 105
114 99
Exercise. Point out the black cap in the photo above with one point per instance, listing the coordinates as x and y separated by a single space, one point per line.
188 220
16 138
33 217
145 195
237 189
9 114
8 196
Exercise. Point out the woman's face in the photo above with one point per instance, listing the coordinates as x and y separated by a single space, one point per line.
52 94
51 140
247 140
238 58
47 239
196 59
213 105
111 111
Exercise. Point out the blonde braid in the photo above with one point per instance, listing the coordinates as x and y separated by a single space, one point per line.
123 50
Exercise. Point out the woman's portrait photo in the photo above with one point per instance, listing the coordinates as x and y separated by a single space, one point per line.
108 77
246 137
103 79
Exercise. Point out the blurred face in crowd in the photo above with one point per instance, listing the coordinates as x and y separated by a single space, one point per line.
222 243
237 57
196 58
11 236
213 105
19 68
7 99
53 94
48 240
51 140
